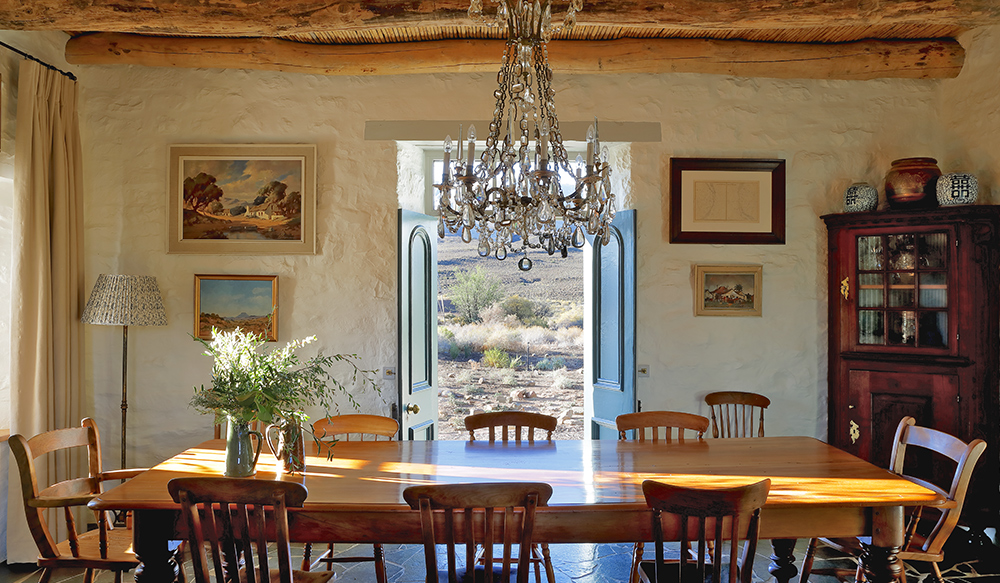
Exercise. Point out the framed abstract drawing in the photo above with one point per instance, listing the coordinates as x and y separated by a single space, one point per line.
257 199
228 302
727 200
727 290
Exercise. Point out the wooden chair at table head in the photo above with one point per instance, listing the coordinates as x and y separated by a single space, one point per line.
229 514
499 504
511 425
355 427
654 421
735 412
925 536
699 510
106 548
507 426
657 422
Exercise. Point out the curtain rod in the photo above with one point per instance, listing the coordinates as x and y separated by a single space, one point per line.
39 61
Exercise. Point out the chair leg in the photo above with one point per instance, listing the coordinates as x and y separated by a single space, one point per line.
536 560
807 561
306 557
118 577
329 554
379 554
937 573
550 572
637 551
45 576
88 576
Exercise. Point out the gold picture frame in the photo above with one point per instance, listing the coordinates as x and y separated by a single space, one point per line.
257 199
728 290
227 302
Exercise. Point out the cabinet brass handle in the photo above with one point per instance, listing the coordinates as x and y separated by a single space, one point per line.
845 288
855 432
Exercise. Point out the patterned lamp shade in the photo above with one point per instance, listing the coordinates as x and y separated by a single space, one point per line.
125 300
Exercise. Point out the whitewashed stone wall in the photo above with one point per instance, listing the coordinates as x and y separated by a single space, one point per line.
831 133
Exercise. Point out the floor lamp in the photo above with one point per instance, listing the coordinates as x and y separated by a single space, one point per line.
125 300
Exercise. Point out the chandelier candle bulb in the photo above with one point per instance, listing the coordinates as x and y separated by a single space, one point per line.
447 160
472 148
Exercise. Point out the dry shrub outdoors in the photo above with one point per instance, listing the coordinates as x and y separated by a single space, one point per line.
509 340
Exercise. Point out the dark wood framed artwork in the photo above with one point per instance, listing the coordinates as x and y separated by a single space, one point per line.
227 302
727 200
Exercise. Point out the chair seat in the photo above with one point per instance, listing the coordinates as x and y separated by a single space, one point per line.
119 557
274 576
480 575
670 573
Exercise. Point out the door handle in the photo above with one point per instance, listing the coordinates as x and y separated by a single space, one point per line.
413 408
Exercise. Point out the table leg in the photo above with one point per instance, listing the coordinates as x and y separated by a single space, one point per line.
150 531
782 566
879 559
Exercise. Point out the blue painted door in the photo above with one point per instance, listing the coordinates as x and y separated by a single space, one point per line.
417 412
609 356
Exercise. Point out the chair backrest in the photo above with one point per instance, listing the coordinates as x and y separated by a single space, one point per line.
964 455
469 512
520 422
734 413
356 427
639 422
67 493
700 509
228 513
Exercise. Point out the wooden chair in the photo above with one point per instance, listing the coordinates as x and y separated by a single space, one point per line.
352 428
727 513
512 425
927 529
657 420
511 422
229 514
733 413
106 548
461 506
638 423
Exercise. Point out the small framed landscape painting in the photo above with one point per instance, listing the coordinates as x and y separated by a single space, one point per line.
228 302
255 199
727 290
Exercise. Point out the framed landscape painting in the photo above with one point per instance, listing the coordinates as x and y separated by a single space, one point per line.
727 290
227 302
255 199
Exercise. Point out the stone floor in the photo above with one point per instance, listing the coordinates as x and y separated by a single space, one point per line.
576 564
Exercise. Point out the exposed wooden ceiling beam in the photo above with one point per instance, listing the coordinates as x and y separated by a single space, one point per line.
273 18
857 60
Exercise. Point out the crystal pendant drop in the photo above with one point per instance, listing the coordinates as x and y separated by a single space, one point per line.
466 235
484 247
578 238
467 218
501 253
441 227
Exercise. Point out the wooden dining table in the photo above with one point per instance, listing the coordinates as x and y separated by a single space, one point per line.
356 495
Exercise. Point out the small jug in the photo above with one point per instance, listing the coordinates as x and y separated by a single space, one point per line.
241 459
287 444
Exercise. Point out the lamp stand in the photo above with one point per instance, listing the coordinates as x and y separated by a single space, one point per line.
124 389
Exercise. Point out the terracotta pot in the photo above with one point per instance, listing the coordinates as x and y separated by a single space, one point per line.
912 183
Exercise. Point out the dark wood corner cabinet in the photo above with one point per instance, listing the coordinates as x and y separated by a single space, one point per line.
915 330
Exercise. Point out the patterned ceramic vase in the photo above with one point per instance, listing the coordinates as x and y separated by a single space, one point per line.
912 183
957 188
860 197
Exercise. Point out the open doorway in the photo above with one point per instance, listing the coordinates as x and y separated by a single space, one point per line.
509 339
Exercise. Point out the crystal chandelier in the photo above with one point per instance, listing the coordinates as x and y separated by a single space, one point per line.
514 190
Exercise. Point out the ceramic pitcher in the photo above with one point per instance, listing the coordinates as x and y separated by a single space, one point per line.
241 456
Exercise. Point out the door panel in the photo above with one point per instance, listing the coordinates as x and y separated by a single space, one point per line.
609 290
417 301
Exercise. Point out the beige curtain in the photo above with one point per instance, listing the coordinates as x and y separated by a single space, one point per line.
47 290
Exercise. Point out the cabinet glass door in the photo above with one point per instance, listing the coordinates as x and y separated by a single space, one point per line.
903 290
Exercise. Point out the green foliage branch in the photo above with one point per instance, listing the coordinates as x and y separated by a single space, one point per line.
473 291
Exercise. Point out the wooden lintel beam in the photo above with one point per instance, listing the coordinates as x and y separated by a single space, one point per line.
861 60
255 18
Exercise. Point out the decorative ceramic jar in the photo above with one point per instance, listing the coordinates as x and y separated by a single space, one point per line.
912 183
860 197
957 188
241 457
